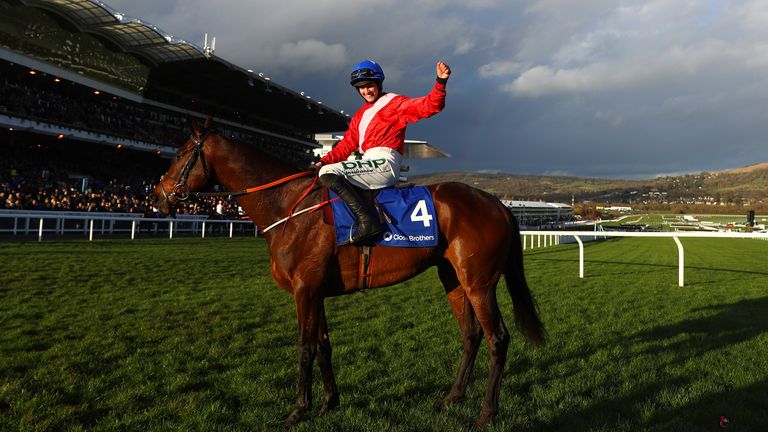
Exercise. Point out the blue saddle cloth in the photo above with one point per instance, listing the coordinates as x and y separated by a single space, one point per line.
411 211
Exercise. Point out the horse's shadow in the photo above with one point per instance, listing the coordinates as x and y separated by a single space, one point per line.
724 326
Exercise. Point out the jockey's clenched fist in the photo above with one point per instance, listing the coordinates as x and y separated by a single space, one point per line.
443 70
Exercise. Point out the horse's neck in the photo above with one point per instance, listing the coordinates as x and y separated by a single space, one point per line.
239 167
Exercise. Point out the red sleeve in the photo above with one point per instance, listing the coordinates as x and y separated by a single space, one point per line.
413 109
347 145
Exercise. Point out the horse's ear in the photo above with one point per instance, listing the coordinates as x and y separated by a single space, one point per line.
195 128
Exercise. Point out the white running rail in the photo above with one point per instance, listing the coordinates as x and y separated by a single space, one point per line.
556 237
26 223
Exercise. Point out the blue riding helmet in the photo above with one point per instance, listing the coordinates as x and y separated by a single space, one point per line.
367 70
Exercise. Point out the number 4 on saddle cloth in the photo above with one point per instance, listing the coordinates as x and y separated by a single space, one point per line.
409 217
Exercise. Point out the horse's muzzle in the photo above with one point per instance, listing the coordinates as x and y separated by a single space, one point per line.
161 202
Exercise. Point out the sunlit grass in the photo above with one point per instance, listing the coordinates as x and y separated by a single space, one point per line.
191 334
661 221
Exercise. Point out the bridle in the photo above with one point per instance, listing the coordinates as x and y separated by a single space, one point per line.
180 191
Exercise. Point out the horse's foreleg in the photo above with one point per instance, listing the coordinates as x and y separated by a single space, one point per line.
497 337
326 368
471 333
307 312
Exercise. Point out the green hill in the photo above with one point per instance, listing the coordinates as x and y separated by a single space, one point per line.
747 185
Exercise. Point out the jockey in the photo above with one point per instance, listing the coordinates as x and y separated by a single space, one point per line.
377 132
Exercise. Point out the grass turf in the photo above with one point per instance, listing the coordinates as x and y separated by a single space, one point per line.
191 334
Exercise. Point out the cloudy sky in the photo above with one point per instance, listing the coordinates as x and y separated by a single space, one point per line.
623 89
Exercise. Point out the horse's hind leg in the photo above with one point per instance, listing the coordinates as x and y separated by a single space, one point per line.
471 333
497 336
307 312
326 368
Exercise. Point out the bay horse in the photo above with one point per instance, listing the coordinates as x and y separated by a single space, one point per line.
478 242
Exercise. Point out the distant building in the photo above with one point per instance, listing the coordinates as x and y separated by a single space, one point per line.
619 209
535 213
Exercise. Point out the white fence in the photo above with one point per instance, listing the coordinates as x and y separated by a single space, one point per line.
47 223
549 238
40 223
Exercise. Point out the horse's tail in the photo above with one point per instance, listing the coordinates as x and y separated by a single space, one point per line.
526 315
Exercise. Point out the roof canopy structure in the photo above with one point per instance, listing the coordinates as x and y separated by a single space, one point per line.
413 149
130 34
163 68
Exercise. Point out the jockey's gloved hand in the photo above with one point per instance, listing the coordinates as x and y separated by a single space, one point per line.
315 166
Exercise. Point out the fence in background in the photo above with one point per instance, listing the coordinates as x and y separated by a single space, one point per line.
21 223
550 238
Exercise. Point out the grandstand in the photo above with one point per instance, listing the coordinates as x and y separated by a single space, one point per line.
534 214
91 100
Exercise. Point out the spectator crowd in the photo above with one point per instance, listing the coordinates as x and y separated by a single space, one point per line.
38 98
40 177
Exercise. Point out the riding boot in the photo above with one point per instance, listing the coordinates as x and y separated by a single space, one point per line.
367 225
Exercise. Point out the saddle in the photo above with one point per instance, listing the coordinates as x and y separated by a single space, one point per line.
407 211
369 196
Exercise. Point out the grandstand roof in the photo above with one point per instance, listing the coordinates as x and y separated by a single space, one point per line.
413 149
130 34
190 73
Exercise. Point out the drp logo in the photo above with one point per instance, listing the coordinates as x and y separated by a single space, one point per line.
362 164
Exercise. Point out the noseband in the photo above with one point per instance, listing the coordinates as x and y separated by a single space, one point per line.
180 190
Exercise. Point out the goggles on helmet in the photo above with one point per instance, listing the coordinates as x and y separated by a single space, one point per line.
364 74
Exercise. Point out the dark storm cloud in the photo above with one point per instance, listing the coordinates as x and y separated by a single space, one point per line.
596 87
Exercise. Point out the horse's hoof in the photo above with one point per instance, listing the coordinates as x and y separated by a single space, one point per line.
294 418
484 420
438 406
330 404
448 400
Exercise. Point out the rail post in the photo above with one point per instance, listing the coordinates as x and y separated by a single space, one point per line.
170 229
581 256
90 231
133 229
203 235
40 231
680 262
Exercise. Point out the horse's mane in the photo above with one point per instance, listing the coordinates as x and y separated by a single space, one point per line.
263 154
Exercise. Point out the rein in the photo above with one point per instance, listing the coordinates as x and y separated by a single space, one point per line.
255 188
181 190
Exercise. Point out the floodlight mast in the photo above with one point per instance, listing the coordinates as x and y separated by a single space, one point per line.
209 49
